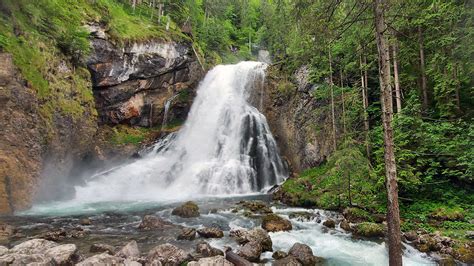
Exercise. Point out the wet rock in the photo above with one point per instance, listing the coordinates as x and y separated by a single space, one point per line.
26 259
469 234
367 229
446 260
287 261
187 210
259 235
33 246
150 222
256 206
85 221
275 223
304 216
211 261
63 254
205 250
279 255
187 234
303 254
251 251
167 254
96 248
6 230
130 250
61 234
101 259
329 223
345 225
210 232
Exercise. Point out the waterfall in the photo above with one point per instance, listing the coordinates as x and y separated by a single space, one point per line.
225 147
166 111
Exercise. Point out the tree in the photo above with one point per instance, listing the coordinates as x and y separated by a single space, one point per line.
393 216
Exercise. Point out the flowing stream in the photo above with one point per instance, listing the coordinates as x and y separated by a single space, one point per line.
223 151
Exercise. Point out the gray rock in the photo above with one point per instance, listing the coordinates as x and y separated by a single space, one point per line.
259 235
205 250
63 254
210 232
33 246
3 250
130 250
251 251
26 259
303 254
211 261
167 254
329 223
101 259
150 222
279 255
187 234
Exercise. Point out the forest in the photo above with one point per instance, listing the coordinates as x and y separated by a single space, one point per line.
391 79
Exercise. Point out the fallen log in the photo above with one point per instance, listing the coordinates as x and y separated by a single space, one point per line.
236 259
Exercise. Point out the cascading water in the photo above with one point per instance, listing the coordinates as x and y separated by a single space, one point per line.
224 147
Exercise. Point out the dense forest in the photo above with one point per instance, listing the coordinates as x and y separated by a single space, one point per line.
396 78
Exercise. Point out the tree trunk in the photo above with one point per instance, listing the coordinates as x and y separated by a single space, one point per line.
424 90
343 104
457 93
365 106
333 116
398 98
393 216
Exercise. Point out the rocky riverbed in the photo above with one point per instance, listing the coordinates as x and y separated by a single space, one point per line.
253 228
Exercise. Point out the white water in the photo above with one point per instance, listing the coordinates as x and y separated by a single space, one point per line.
224 147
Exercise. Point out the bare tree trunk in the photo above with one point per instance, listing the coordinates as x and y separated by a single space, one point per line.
424 89
333 116
365 106
398 98
160 12
366 79
343 104
393 216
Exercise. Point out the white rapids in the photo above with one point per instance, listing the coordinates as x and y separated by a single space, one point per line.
224 147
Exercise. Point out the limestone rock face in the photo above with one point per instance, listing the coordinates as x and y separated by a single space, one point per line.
132 83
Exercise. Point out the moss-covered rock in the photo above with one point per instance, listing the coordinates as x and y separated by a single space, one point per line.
367 229
275 223
356 215
187 210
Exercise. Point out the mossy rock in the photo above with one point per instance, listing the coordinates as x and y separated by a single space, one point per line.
275 223
368 229
357 215
447 214
187 210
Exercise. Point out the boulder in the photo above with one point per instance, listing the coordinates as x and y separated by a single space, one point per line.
205 250
304 216
368 229
101 248
329 223
6 230
167 254
303 254
187 210
256 206
251 251
33 246
61 234
279 255
210 232
63 254
287 261
187 234
243 236
3 250
211 261
150 222
345 225
101 259
411 236
130 250
356 215
275 223
26 259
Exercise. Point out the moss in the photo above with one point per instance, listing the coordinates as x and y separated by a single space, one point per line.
368 229
449 214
